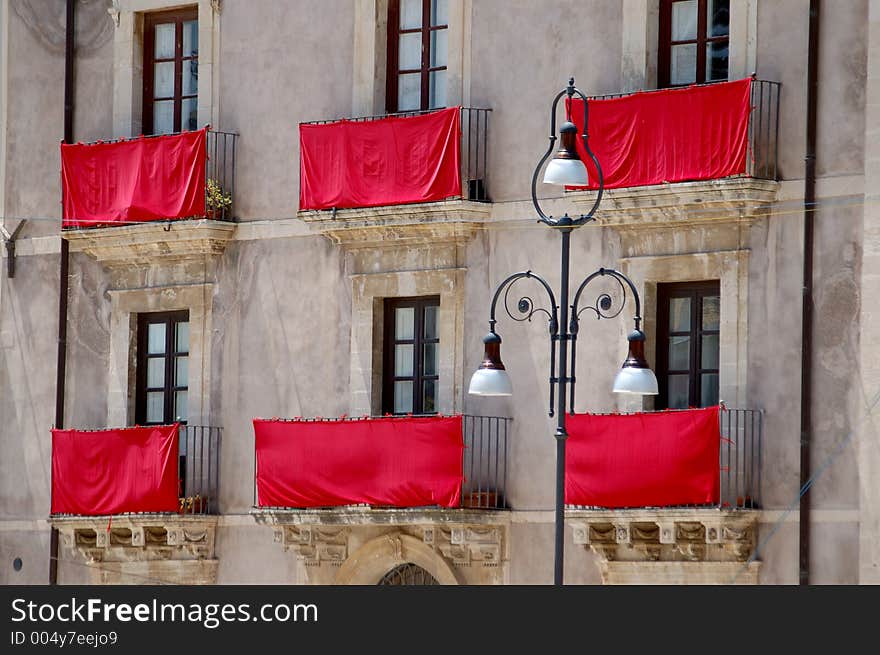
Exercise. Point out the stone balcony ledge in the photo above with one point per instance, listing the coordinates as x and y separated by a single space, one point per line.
378 516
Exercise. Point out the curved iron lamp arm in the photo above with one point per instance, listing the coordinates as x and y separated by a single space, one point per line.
569 91
603 303
526 307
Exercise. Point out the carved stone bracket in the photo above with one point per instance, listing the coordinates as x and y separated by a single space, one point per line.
314 545
468 544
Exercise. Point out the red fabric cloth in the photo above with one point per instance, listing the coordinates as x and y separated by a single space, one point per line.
402 462
138 180
672 135
113 471
653 459
389 161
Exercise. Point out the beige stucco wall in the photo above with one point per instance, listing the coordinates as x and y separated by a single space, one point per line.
282 303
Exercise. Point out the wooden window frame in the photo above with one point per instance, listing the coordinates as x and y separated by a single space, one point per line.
178 17
664 54
172 351
696 291
393 71
418 377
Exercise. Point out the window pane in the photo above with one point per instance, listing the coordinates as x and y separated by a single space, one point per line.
163 117
708 389
155 407
430 364
410 53
189 114
679 314
437 89
439 12
683 67
718 18
163 80
180 406
410 14
439 47
155 372
711 312
679 353
181 372
156 338
431 322
164 43
684 20
677 391
709 351
403 397
181 343
403 360
409 92
716 61
404 321
190 77
191 38
429 392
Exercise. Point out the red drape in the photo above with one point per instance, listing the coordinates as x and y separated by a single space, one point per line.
672 135
389 161
402 462
113 471
138 180
643 460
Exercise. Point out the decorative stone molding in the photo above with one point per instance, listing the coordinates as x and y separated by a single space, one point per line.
710 202
152 244
365 543
451 221
137 549
668 536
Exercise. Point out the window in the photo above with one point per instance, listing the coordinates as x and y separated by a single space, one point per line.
694 38
171 71
412 350
162 368
417 54
688 323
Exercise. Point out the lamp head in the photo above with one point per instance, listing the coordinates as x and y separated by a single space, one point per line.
635 375
566 167
490 379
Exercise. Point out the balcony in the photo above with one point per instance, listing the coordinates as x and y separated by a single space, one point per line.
161 199
133 513
446 206
713 195
720 537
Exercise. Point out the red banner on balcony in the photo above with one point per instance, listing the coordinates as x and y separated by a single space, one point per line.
133 181
390 161
654 459
102 472
401 462
672 135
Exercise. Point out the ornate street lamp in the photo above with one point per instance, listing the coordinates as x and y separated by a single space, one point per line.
635 377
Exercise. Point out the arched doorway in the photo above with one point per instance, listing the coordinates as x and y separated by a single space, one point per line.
408 574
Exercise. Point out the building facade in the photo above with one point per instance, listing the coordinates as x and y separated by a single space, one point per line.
271 310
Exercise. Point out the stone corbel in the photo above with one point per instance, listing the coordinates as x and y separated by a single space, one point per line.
114 12
466 545
217 6
312 545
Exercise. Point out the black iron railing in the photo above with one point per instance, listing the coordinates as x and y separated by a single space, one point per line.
762 158
199 470
474 147
484 461
739 460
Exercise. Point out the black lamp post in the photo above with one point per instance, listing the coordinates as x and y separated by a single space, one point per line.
635 377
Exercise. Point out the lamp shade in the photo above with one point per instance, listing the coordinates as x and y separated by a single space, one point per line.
566 172
635 376
490 382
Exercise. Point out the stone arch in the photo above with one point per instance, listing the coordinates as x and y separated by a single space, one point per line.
374 559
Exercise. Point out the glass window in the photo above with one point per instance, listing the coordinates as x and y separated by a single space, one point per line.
418 52
412 356
171 71
694 37
162 368
688 344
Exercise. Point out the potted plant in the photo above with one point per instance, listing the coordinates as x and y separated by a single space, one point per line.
216 200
